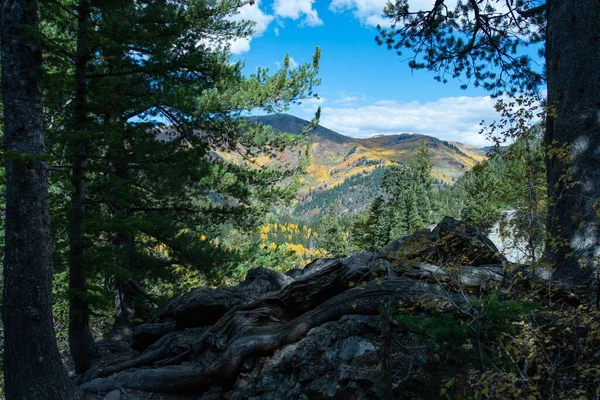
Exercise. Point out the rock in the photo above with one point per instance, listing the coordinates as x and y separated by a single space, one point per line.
451 242
464 244
114 395
336 360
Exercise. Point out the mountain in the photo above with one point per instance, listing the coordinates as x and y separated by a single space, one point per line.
353 166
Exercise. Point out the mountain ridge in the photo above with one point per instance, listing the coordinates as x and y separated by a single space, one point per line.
451 159
341 161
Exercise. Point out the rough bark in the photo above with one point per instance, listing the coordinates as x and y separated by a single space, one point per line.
572 60
126 294
81 342
32 365
126 289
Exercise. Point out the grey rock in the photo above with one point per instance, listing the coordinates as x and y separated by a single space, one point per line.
337 360
114 395
450 242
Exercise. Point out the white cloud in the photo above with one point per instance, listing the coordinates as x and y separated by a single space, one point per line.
450 118
349 99
296 9
261 20
239 46
346 100
369 12
293 63
312 103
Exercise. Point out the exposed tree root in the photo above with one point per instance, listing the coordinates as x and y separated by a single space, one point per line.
259 330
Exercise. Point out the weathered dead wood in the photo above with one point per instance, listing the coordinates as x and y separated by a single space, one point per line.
212 337
204 306
359 284
242 337
332 278
467 276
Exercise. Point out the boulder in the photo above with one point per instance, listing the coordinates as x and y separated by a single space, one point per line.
451 242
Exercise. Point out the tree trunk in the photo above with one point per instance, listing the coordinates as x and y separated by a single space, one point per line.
81 342
32 365
125 288
572 60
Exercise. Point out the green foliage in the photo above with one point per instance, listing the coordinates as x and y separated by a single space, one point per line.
371 230
440 331
422 166
476 40
490 318
404 207
354 194
164 105
332 237
470 334
483 199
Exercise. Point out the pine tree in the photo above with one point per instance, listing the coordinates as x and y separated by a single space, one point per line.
332 237
371 232
81 342
422 166
32 365
491 57
415 222
380 228
422 195
404 207
160 104
483 199
400 225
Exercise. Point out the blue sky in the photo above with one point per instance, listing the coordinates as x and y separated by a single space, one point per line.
366 89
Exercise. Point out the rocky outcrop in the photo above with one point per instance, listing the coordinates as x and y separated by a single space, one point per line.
451 242
312 334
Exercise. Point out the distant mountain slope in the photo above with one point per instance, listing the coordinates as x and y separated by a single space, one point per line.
285 123
336 158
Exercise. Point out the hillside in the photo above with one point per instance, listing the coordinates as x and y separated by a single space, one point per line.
336 158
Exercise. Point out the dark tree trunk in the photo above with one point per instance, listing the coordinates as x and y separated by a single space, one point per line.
32 366
81 342
126 295
126 289
572 62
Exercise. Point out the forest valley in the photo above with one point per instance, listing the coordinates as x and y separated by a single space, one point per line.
161 241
